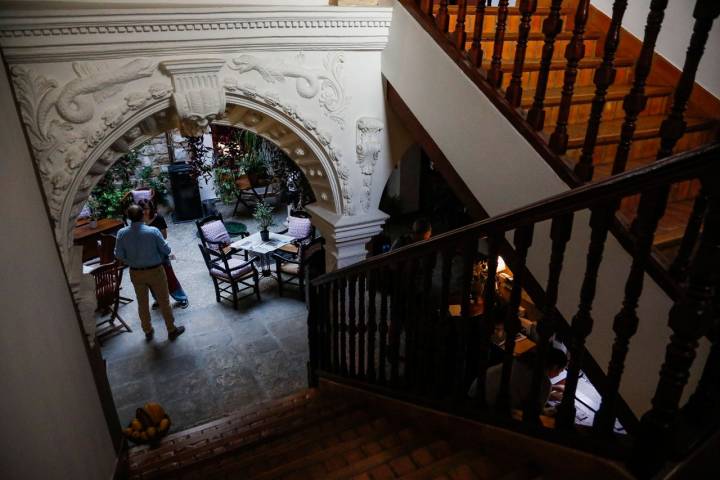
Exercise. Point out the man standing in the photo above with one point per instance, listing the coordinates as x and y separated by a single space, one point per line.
144 249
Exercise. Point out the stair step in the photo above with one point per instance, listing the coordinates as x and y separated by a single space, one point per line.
533 65
293 444
234 438
647 127
441 466
512 11
332 458
532 37
586 93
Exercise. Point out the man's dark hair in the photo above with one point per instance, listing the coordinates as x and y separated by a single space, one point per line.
556 358
420 226
134 213
149 204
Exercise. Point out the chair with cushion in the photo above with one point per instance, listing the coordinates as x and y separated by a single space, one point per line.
294 271
214 235
108 278
230 275
301 229
134 196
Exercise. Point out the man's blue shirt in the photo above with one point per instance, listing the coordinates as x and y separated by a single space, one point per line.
140 246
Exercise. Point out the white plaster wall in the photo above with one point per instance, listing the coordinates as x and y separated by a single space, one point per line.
674 36
504 172
53 426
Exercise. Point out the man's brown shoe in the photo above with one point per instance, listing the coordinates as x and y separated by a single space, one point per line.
149 335
176 333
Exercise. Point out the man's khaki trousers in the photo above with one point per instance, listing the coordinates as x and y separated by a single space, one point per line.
153 279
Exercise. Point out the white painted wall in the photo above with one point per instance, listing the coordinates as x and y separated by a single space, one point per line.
52 423
504 172
674 36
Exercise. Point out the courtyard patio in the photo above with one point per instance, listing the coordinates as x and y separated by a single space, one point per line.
227 360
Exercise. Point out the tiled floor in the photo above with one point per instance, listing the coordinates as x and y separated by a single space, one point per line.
227 359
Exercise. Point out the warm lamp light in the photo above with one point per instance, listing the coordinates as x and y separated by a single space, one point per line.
500 265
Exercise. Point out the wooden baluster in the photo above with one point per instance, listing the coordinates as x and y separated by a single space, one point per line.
323 292
410 322
352 327
460 36
690 318
603 78
574 53
560 232
582 323
362 327
552 26
396 315
461 373
343 327
476 53
635 100
522 241
386 279
371 325
489 297
678 269
314 308
422 375
514 92
442 19
426 6
495 74
443 337
335 328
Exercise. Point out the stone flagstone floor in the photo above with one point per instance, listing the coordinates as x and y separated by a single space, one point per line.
227 360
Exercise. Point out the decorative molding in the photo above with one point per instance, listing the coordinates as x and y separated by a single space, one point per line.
309 83
368 150
95 79
28 36
199 96
324 137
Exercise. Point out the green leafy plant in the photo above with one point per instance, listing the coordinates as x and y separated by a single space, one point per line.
225 184
263 215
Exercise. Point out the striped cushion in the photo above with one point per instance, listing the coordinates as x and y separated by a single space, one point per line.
239 273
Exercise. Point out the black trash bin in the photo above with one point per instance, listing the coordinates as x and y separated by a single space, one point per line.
185 192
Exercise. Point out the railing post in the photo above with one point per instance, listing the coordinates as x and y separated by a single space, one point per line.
386 282
495 74
489 296
582 322
460 35
476 52
444 329
679 267
560 233
352 327
690 318
469 250
362 329
442 20
522 241
574 53
552 25
314 309
514 92
603 78
343 327
426 6
635 100
371 325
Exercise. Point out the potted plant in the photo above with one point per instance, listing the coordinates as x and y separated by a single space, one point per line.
94 207
263 215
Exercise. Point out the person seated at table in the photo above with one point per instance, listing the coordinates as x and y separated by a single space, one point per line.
521 379
421 230
153 219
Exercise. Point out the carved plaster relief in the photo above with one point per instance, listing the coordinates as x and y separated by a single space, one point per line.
368 150
199 96
325 83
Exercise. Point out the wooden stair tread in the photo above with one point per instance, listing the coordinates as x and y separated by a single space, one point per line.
647 127
671 226
559 64
441 466
512 11
532 36
585 94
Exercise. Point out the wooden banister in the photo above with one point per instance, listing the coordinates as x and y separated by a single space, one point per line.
684 166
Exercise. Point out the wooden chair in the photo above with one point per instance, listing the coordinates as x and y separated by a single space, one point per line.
230 276
294 271
215 236
301 230
134 196
108 278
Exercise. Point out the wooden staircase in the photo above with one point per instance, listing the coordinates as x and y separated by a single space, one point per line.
701 116
311 435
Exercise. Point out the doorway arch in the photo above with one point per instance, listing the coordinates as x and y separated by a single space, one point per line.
310 151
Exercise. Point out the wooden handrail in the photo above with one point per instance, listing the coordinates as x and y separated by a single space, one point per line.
683 166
